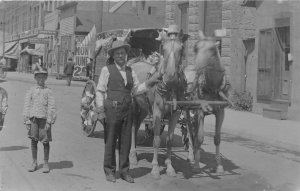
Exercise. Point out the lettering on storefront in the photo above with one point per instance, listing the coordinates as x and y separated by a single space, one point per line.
38 40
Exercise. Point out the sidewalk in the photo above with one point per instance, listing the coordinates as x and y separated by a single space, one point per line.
26 77
281 133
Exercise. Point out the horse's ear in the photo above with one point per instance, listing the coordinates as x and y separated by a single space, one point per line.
201 35
162 36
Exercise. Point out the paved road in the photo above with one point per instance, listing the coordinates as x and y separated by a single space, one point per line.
76 161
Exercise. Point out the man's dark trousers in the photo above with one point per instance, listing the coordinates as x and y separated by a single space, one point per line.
118 126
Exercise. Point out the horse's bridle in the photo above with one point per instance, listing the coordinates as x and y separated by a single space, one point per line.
172 50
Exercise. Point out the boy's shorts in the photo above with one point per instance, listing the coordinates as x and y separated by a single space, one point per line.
38 132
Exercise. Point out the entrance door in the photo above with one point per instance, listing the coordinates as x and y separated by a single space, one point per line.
248 59
282 65
265 65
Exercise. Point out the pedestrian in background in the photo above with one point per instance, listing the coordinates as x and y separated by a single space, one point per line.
39 116
3 106
68 70
89 67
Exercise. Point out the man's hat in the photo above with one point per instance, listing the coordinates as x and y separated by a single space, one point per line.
39 69
118 44
173 29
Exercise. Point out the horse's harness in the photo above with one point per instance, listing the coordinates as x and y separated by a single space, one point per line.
162 88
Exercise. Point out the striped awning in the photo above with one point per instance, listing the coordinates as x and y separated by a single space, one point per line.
38 51
12 51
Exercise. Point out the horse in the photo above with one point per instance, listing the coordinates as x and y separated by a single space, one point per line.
172 86
209 84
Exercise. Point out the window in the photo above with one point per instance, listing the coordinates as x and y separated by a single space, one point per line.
151 10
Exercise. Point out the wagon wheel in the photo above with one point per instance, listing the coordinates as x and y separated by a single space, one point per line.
89 128
89 116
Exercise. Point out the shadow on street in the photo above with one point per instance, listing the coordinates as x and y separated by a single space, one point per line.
59 165
13 148
186 168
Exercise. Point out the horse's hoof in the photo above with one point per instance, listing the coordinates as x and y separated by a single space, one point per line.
133 158
196 167
155 174
220 169
191 159
171 172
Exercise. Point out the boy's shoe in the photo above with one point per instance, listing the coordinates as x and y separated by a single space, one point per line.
46 168
33 167
110 178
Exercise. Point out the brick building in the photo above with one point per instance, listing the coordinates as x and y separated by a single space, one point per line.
263 50
192 16
72 20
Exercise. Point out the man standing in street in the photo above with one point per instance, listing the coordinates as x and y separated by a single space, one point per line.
117 83
89 67
68 70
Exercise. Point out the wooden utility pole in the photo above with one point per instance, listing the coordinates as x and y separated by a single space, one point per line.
3 29
99 28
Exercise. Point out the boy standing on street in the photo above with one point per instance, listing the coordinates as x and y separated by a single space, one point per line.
39 116
3 106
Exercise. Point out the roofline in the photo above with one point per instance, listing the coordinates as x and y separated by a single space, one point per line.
67 5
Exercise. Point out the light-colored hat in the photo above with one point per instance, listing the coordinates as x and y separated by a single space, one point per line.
118 44
173 29
39 69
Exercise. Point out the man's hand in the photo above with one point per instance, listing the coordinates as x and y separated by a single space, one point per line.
153 80
100 112
47 126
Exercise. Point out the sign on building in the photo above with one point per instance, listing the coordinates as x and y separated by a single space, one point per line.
38 40
47 32
81 56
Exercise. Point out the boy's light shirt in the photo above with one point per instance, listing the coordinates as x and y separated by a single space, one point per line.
39 103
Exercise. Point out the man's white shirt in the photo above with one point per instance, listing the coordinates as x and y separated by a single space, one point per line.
138 88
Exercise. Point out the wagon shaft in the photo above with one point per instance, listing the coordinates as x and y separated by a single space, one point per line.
196 104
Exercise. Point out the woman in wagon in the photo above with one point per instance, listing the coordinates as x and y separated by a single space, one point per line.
39 116
117 83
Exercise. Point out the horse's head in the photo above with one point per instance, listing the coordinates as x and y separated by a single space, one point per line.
172 53
205 51
208 66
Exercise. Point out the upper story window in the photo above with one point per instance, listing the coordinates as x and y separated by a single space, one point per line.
152 10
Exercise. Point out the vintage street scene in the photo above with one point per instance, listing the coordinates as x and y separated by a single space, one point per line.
150 95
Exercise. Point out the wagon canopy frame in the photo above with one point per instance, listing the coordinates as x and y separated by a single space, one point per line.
144 39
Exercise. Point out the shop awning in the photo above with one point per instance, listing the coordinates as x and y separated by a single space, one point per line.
12 52
38 51
8 46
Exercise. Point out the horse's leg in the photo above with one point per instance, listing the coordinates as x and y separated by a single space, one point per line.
172 124
190 136
217 139
139 114
199 137
157 115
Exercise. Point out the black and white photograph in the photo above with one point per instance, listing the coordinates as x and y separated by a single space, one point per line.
144 95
